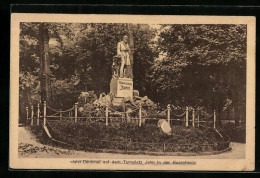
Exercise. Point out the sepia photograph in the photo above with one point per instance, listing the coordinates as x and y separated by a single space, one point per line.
132 92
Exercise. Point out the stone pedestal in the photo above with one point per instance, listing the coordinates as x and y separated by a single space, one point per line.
121 87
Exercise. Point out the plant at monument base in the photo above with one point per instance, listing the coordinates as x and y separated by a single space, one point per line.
94 135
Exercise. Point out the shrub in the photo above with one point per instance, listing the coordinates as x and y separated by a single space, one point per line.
128 136
236 133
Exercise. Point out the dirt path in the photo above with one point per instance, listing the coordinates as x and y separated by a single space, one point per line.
29 147
26 137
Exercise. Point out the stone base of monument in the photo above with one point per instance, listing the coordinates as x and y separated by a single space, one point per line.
118 101
121 87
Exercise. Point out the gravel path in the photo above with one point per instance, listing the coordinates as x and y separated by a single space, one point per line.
29 147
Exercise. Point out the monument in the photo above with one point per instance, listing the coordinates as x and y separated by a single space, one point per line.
121 85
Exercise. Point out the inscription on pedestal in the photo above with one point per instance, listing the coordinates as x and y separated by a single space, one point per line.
122 87
125 88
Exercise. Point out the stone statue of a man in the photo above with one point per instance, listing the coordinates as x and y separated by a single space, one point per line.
123 51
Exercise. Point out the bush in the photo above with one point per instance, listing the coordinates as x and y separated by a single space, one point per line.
128 136
236 133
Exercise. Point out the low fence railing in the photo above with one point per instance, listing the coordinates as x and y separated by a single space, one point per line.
108 112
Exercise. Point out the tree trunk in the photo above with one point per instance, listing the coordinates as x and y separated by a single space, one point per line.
131 44
44 63
23 103
219 116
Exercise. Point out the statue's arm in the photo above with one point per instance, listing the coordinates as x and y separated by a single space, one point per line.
128 48
118 49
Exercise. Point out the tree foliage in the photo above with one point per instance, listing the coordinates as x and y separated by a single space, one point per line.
203 65
81 57
195 65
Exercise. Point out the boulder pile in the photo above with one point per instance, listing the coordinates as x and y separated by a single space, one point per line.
90 105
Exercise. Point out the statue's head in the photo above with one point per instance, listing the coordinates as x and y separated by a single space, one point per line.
125 37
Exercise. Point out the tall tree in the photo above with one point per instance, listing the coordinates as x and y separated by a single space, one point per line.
44 62
131 44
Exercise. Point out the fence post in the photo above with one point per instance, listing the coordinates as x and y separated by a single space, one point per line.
76 112
60 115
198 119
32 115
38 114
27 114
193 118
107 114
44 113
168 113
71 114
187 116
215 119
140 114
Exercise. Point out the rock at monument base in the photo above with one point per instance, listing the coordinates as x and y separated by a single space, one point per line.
165 126
117 101
135 93
144 98
104 99
86 97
